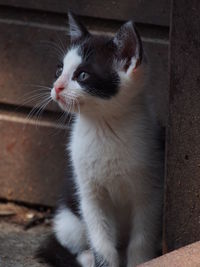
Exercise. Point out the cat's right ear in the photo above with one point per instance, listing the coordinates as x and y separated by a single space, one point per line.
76 29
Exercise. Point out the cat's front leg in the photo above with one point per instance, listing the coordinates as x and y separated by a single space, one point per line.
146 235
101 231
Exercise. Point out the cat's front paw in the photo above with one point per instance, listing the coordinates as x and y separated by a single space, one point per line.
108 260
86 259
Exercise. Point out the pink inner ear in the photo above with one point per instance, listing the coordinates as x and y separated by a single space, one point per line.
77 29
129 44
137 64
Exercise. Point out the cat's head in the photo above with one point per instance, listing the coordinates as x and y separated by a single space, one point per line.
99 73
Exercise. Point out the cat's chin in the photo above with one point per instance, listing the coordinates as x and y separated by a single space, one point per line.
62 106
69 107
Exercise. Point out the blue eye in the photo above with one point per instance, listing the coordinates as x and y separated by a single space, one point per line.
59 71
83 76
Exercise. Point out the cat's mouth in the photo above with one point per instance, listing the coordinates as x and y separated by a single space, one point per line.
67 102
61 100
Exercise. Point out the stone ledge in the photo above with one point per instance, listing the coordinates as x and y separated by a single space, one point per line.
188 256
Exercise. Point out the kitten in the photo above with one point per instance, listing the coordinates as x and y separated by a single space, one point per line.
114 148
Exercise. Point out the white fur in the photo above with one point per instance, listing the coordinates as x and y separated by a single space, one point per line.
71 61
70 230
114 178
118 171
86 258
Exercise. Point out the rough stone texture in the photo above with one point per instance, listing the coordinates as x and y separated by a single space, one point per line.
182 210
17 247
33 161
188 256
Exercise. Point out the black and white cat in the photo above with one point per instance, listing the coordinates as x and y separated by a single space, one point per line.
114 148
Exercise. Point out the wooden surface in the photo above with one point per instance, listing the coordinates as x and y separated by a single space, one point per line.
31 32
182 211
153 12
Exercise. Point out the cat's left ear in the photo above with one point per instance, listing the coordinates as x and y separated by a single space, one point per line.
76 29
129 46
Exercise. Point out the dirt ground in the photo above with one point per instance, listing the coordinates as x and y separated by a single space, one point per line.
21 232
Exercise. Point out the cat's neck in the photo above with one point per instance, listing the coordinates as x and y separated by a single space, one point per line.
119 116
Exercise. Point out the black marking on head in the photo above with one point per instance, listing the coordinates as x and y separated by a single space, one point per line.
98 53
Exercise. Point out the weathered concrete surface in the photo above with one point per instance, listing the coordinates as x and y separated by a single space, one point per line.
182 209
188 256
17 247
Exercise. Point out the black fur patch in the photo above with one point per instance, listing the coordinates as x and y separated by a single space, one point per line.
53 253
68 196
98 53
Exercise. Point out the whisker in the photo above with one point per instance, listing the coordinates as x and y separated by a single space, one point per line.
35 94
40 111
39 93
68 113
32 99
78 106
56 48
36 107
62 119
40 86
61 44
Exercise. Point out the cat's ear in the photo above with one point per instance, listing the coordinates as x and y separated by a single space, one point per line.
76 29
129 46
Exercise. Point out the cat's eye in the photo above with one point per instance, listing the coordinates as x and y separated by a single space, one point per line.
59 71
83 76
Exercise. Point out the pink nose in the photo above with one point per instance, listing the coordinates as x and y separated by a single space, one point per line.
59 89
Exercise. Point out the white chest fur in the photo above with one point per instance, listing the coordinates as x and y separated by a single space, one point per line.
108 157
97 152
